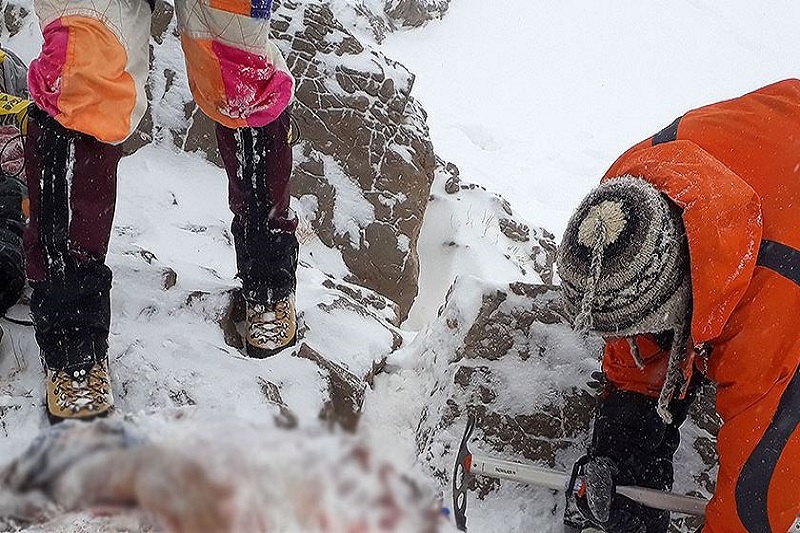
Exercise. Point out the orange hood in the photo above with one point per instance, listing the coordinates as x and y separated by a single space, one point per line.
722 215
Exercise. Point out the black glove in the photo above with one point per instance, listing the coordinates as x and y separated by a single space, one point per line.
631 445
601 506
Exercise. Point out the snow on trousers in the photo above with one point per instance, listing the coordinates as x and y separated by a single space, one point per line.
69 172
88 86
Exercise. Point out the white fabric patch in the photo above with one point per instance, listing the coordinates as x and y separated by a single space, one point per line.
198 20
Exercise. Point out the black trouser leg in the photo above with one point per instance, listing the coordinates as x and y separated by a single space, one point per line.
72 186
258 162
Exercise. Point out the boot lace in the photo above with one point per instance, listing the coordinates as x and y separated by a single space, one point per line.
77 389
269 324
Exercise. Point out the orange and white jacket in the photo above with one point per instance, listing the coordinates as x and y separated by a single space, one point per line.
92 70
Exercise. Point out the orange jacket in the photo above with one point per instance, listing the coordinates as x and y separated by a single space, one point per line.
734 168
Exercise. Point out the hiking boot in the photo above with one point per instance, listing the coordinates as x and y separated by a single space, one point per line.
79 392
270 328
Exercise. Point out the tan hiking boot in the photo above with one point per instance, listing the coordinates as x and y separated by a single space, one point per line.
270 328
79 392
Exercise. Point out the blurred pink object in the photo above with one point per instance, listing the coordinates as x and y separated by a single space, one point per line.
215 477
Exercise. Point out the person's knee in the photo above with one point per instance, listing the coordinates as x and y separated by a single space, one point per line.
100 92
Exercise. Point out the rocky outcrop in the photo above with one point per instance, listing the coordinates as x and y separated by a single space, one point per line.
415 12
378 18
367 158
507 356
474 232
531 249
14 15
510 357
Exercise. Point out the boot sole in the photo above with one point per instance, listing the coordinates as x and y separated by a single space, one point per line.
58 419
254 352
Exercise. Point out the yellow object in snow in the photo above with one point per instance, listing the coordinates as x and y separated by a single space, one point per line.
14 110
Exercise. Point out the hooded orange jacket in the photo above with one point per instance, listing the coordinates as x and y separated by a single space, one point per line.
734 168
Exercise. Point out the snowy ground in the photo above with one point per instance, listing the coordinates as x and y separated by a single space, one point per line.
533 100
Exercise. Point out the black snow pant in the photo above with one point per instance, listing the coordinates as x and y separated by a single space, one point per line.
72 179
258 162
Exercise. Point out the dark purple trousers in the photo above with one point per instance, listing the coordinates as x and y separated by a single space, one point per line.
72 189
72 181
72 186
258 162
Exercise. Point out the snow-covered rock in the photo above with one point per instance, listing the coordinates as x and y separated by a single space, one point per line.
505 354
415 12
512 360
375 19
14 17
470 231
368 160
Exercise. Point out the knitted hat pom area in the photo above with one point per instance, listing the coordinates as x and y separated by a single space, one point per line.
624 266
600 228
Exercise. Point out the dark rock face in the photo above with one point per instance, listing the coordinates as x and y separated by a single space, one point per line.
416 12
382 17
365 137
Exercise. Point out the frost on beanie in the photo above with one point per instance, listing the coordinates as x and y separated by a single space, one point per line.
624 266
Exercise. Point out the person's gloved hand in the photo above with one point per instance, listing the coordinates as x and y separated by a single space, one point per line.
599 504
